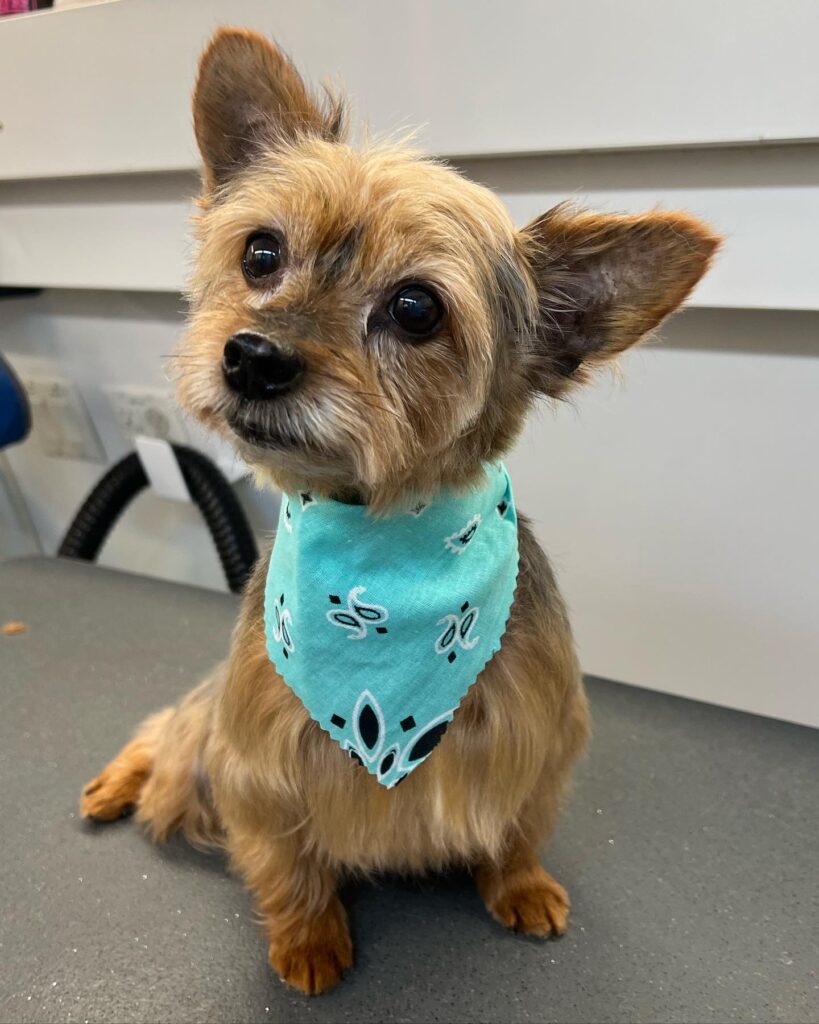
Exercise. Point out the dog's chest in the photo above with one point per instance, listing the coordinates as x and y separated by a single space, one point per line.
456 807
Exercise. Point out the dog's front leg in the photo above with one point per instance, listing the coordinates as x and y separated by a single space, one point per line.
520 893
305 921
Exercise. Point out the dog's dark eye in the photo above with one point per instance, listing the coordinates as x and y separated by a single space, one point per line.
416 310
263 256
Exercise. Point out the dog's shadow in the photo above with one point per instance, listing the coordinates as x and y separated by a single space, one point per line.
177 852
382 907
422 940
361 896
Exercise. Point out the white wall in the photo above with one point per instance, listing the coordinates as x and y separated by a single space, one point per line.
481 77
131 231
678 501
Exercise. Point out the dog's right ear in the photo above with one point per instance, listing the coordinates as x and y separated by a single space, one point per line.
249 97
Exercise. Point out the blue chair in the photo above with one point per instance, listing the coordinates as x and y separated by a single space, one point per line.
15 414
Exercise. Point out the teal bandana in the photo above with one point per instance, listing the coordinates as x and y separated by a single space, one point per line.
380 626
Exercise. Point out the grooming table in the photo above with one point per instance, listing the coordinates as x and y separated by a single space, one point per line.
689 849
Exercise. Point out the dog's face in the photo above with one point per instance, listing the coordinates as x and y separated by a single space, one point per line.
369 323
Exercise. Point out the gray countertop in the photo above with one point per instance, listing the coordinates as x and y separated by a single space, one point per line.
689 849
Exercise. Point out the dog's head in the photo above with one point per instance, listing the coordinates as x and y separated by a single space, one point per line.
369 323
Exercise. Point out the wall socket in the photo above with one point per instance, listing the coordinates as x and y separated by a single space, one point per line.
148 413
61 425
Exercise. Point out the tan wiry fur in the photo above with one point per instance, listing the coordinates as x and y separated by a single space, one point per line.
379 419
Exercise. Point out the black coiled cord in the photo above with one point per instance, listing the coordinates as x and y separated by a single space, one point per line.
210 491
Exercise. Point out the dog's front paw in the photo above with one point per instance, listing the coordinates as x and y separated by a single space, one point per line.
535 904
316 960
312 968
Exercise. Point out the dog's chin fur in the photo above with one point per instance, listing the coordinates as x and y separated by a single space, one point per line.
380 419
294 470
283 453
286 460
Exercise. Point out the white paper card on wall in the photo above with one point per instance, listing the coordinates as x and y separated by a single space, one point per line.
162 469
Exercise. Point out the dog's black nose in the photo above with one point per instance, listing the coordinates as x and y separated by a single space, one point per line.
257 369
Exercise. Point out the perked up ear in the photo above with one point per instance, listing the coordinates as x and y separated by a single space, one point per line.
249 96
604 281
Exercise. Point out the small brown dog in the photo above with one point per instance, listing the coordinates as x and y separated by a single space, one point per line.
304 245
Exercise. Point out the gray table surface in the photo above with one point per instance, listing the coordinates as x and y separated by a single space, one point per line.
689 849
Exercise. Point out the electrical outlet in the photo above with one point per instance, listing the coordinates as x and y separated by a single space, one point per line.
61 425
147 413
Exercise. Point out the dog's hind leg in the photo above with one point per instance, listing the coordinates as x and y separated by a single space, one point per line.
159 773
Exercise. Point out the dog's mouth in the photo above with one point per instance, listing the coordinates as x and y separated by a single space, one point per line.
270 436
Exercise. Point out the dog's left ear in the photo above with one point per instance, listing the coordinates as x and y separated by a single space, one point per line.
248 97
605 281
